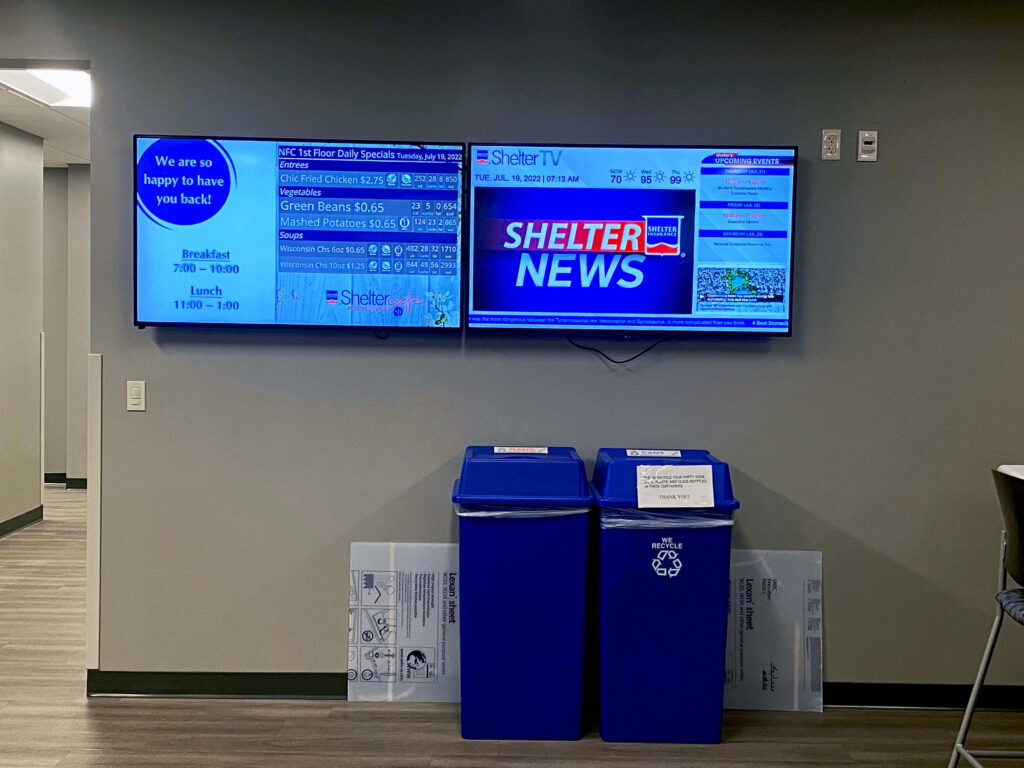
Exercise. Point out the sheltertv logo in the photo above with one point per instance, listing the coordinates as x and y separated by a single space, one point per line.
519 157
663 235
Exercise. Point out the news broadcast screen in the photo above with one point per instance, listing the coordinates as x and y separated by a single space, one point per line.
687 239
278 232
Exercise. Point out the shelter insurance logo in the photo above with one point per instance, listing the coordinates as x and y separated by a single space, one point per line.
663 235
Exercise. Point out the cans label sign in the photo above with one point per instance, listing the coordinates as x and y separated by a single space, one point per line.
674 485
652 453
520 449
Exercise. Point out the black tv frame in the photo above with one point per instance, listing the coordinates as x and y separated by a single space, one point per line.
621 333
376 329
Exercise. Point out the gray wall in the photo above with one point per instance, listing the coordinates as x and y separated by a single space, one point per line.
21 299
229 505
55 315
78 299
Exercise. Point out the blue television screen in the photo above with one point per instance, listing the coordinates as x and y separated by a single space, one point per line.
631 239
275 232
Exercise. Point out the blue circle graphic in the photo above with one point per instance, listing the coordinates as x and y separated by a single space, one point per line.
183 181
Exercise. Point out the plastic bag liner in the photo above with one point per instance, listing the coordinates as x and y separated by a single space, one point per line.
494 510
628 517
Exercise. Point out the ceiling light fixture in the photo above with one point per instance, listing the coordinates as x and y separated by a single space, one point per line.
53 87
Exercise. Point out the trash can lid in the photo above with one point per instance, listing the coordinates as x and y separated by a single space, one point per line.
548 476
615 478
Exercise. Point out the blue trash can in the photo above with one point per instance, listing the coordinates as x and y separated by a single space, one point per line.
523 538
664 593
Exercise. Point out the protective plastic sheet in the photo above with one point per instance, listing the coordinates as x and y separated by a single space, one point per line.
646 518
403 637
521 512
774 637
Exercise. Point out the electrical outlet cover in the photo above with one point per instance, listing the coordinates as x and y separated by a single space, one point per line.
831 143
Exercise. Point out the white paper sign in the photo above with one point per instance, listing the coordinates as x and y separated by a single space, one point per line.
403 637
674 485
773 645
519 449
657 453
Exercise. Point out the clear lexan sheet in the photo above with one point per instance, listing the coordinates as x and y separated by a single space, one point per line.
774 640
403 639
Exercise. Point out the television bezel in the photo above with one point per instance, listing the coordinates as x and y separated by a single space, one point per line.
620 333
376 329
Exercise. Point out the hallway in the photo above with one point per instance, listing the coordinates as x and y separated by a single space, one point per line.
46 720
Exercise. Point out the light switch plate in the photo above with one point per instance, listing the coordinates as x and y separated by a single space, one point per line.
136 396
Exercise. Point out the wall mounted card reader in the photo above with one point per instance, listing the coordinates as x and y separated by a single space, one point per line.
867 146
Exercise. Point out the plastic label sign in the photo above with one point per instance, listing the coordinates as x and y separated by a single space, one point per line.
774 636
674 485
403 631
519 449
652 453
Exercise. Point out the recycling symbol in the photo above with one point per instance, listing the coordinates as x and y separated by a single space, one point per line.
667 563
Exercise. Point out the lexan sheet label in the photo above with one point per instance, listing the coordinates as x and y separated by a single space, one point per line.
674 485
773 645
403 640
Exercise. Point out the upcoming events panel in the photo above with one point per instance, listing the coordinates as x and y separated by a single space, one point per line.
267 232
631 238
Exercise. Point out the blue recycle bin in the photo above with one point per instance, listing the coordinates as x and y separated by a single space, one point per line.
523 539
664 594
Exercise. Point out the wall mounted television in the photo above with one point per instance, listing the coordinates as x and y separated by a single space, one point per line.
631 239
298 233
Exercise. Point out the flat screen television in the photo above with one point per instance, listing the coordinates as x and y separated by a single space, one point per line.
281 232
631 239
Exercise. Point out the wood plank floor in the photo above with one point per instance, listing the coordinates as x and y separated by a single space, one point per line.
46 720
